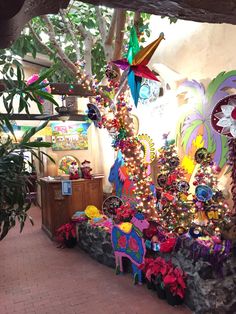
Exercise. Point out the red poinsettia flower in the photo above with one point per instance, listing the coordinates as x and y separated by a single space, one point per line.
133 245
175 281
122 242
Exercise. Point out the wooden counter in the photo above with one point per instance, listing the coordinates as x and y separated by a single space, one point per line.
57 209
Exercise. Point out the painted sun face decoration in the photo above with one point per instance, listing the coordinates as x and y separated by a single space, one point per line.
223 118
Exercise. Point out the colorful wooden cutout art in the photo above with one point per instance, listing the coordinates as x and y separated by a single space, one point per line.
223 120
114 177
195 127
128 241
223 117
64 164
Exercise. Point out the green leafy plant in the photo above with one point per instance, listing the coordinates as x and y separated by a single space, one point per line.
14 179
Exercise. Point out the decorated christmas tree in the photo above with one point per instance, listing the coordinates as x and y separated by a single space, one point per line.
173 204
211 212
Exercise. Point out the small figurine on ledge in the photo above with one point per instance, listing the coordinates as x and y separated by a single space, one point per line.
85 168
74 171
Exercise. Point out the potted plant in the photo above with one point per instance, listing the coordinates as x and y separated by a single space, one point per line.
146 267
66 235
161 268
175 286
155 270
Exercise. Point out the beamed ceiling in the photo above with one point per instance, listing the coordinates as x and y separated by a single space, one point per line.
14 14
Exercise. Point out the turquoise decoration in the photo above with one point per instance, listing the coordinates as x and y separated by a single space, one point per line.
145 91
203 193
150 91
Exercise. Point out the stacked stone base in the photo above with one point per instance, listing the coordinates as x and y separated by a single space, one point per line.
207 292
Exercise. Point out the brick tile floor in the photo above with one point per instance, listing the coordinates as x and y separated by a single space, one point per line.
38 278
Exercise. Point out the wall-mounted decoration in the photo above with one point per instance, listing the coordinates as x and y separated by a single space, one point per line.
69 136
223 118
65 163
195 126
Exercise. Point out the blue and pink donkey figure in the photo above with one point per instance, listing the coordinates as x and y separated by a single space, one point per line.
130 244
123 185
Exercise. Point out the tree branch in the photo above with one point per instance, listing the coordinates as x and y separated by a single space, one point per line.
88 45
137 20
120 26
70 29
111 31
63 57
101 24
39 40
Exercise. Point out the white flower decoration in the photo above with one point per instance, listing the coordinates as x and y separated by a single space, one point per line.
227 118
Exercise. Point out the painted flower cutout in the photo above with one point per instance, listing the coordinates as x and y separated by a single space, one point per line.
227 118
133 245
122 242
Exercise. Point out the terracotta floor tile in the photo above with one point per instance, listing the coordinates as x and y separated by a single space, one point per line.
38 278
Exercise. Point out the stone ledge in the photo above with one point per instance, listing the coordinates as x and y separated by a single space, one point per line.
207 292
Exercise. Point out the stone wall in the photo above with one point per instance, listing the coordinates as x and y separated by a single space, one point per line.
207 291
97 243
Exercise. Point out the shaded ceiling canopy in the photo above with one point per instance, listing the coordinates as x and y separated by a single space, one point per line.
14 14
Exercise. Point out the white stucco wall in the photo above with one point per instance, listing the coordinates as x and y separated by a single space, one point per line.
196 50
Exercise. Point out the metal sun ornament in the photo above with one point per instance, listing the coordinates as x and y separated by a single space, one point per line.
135 65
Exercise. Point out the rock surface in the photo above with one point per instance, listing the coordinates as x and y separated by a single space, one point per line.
97 243
207 291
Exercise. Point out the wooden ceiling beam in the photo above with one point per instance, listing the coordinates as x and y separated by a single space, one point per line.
38 117
211 11
62 89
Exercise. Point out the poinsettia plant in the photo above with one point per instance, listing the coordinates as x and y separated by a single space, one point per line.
175 281
125 213
155 267
66 232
